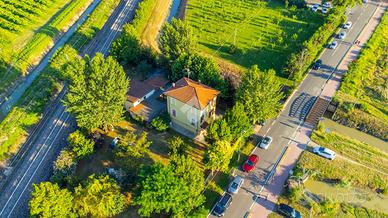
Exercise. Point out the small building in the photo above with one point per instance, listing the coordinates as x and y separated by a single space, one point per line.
190 105
138 92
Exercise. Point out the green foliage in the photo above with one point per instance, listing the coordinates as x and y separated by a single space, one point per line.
143 14
99 196
126 49
80 145
329 208
177 39
64 167
161 123
174 189
238 121
219 155
260 93
219 130
200 68
177 146
48 200
295 194
100 84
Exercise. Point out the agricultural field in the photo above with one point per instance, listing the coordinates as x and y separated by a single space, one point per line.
247 32
27 29
354 184
363 95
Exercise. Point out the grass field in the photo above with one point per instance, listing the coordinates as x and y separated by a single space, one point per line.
363 95
27 113
32 34
264 33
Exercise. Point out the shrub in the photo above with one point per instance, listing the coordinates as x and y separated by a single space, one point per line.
177 146
161 123
80 145
295 194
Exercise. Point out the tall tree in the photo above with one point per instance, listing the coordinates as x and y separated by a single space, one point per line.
100 196
174 189
80 145
177 38
219 155
96 92
260 93
126 49
48 200
238 121
219 130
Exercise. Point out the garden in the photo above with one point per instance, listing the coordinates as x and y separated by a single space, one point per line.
246 33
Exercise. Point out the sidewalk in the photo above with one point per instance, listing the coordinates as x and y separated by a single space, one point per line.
268 197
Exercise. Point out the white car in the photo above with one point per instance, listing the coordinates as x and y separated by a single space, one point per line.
333 45
315 7
324 152
265 142
324 10
342 35
235 185
348 25
327 5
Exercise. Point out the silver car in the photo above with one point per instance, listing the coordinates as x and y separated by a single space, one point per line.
342 35
265 142
333 45
235 185
348 25
324 10
315 7
324 152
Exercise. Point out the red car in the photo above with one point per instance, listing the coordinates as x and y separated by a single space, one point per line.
251 162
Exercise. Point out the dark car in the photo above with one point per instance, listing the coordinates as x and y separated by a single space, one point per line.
288 211
251 162
317 64
222 205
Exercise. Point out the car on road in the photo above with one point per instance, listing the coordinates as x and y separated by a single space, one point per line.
348 25
315 7
235 185
265 142
342 35
288 211
365 1
333 45
317 65
222 205
324 10
250 163
327 5
324 152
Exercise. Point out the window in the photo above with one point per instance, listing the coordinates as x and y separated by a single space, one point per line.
173 113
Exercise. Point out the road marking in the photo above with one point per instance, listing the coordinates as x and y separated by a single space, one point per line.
33 160
41 161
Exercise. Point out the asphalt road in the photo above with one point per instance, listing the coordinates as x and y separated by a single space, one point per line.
283 129
34 163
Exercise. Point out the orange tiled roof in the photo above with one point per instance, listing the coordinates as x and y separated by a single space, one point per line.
192 93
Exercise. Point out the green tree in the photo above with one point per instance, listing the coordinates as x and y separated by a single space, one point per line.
80 145
64 167
96 92
219 130
238 121
260 93
177 146
99 196
174 189
201 68
219 155
177 38
48 200
127 49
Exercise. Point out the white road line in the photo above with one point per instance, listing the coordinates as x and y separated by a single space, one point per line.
41 161
32 162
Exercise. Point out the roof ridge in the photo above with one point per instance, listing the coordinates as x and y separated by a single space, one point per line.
196 95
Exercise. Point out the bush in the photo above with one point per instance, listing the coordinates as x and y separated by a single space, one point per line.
177 146
161 123
329 208
295 194
80 145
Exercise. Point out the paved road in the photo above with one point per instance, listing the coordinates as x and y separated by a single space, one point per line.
43 145
283 129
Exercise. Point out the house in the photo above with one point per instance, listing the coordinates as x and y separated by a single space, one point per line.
190 105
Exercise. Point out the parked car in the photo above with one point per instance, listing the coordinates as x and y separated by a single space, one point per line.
315 7
265 142
365 1
342 35
348 25
317 65
250 163
222 205
324 10
235 185
288 211
327 5
333 45
324 152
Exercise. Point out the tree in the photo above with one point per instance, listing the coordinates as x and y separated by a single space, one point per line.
219 155
238 121
177 38
177 146
200 68
219 130
175 189
260 93
64 167
96 92
100 196
126 49
80 145
48 200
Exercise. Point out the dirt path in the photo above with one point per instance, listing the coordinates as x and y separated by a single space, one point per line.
360 164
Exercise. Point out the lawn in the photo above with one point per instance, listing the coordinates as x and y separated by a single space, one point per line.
363 95
264 33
